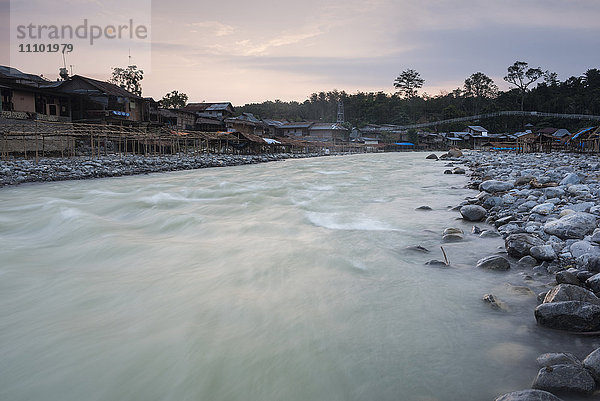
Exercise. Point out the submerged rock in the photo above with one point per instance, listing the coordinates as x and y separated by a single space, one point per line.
494 262
432 156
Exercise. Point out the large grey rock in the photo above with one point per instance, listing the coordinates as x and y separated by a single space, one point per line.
567 277
528 261
473 212
569 292
565 378
569 315
593 283
528 395
544 208
596 237
574 225
592 363
494 262
543 252
569 179
581 248
455 153
554 192
493 186
432 156
557 358
519 245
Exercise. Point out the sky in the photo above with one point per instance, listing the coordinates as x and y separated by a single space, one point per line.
252 51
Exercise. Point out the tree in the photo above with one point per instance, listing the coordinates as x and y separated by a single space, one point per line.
408 82
521 76
128 78
174 100
479 86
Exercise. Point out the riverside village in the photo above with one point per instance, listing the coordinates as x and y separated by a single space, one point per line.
529 213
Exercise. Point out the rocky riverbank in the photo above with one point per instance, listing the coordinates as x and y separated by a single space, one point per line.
21 171
547 209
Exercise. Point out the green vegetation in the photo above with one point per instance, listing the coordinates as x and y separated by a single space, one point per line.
575 95
129 78
174 100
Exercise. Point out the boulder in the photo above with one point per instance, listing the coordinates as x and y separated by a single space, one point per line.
528 261
570 179
565 378
543 252
569 292
596 237
494 262
493 186
523 180
544 209
592 363
528 395
425 208
455 153
554 192
557 358
494 302
458 170
452 238
473 212
571 226
567 277
432 156
569 315
593 283
519 245
581 248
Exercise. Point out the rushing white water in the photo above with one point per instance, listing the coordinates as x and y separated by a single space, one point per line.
280 281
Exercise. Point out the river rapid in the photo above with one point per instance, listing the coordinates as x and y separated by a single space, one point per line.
288 280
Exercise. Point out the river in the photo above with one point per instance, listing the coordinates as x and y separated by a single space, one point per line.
288 280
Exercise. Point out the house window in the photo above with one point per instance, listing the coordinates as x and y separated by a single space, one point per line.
52 109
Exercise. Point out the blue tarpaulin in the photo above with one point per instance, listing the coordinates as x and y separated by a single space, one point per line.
404 144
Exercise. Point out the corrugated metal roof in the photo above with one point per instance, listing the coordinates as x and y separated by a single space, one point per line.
106 87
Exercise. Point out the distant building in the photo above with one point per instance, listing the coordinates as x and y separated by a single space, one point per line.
29 96
327 132
299 129
477 130
219 110
98 101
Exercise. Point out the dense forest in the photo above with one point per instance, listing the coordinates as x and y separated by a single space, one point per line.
575 95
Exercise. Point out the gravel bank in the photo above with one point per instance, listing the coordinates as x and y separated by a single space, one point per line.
547 209
21 171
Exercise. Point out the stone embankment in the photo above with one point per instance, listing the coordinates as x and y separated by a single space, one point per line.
20 171
547 209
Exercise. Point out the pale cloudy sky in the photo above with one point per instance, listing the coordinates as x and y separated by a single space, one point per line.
250 51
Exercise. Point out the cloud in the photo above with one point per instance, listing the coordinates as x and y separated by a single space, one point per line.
215 27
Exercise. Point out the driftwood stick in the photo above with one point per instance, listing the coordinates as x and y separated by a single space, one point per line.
445 257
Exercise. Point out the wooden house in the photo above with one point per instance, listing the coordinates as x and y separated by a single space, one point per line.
29 96
97 101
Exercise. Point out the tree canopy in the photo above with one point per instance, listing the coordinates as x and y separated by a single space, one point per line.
129 78
408 82
578 94
174 100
